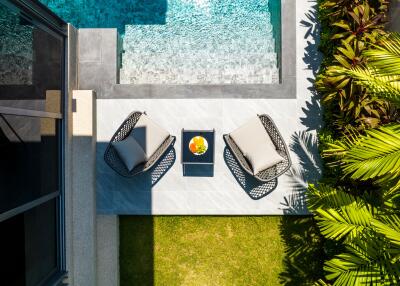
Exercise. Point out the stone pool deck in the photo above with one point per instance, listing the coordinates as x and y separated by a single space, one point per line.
294 109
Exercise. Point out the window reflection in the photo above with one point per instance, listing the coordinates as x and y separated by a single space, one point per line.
30 65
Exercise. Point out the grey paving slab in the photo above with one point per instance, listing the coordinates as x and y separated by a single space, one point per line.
89 41
98 59
286 90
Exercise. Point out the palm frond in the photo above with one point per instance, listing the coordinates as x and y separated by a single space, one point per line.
348 221
321 282
364 263
376 155
385 57
325 196
341 146
390 193
351 269
387 87
389 226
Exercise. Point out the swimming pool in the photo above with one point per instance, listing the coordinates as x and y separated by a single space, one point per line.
187 41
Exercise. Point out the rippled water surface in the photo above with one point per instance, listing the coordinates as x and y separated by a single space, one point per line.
187 41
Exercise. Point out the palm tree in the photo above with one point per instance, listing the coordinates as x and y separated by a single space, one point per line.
371 237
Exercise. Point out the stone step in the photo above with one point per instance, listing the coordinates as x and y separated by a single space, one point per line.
188 48
172 75
200 60
133 38
239 46
185 26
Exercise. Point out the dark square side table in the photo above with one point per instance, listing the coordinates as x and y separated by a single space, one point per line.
198 165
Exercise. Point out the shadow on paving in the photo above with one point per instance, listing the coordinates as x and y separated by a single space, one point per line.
304 254
116 194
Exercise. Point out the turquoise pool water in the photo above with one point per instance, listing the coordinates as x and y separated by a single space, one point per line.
187 41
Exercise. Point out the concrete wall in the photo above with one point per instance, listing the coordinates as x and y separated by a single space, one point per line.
91 241
84 251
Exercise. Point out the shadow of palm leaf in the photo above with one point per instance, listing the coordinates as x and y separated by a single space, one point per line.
254 188
304 255
303 262
305 145
312 117
312 59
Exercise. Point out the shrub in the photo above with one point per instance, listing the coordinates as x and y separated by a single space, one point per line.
356 204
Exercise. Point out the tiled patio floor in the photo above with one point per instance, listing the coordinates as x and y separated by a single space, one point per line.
221 194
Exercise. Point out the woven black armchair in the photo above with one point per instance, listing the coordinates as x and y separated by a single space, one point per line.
113 160
274 171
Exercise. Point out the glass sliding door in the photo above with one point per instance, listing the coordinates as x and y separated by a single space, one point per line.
32 85
29 246
30 161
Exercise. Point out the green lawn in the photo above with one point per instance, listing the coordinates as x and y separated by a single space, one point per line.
198 250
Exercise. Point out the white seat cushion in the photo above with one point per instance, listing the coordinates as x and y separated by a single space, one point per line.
130 152
256 145
149 135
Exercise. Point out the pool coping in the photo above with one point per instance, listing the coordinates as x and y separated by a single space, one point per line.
285 89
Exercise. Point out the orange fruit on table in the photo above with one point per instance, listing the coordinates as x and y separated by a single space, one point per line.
193 147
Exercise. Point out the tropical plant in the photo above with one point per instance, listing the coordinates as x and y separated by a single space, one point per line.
337 8
370 234
375 155
381 73
352 30
357 206
364 24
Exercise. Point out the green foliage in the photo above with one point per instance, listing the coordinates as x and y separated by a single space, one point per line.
371 237
381 73
385 56
375 155
348 29
357 202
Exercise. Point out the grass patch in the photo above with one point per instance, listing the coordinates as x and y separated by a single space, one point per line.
198 250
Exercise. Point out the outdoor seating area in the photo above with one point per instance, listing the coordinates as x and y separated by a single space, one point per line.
139 143
226 184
